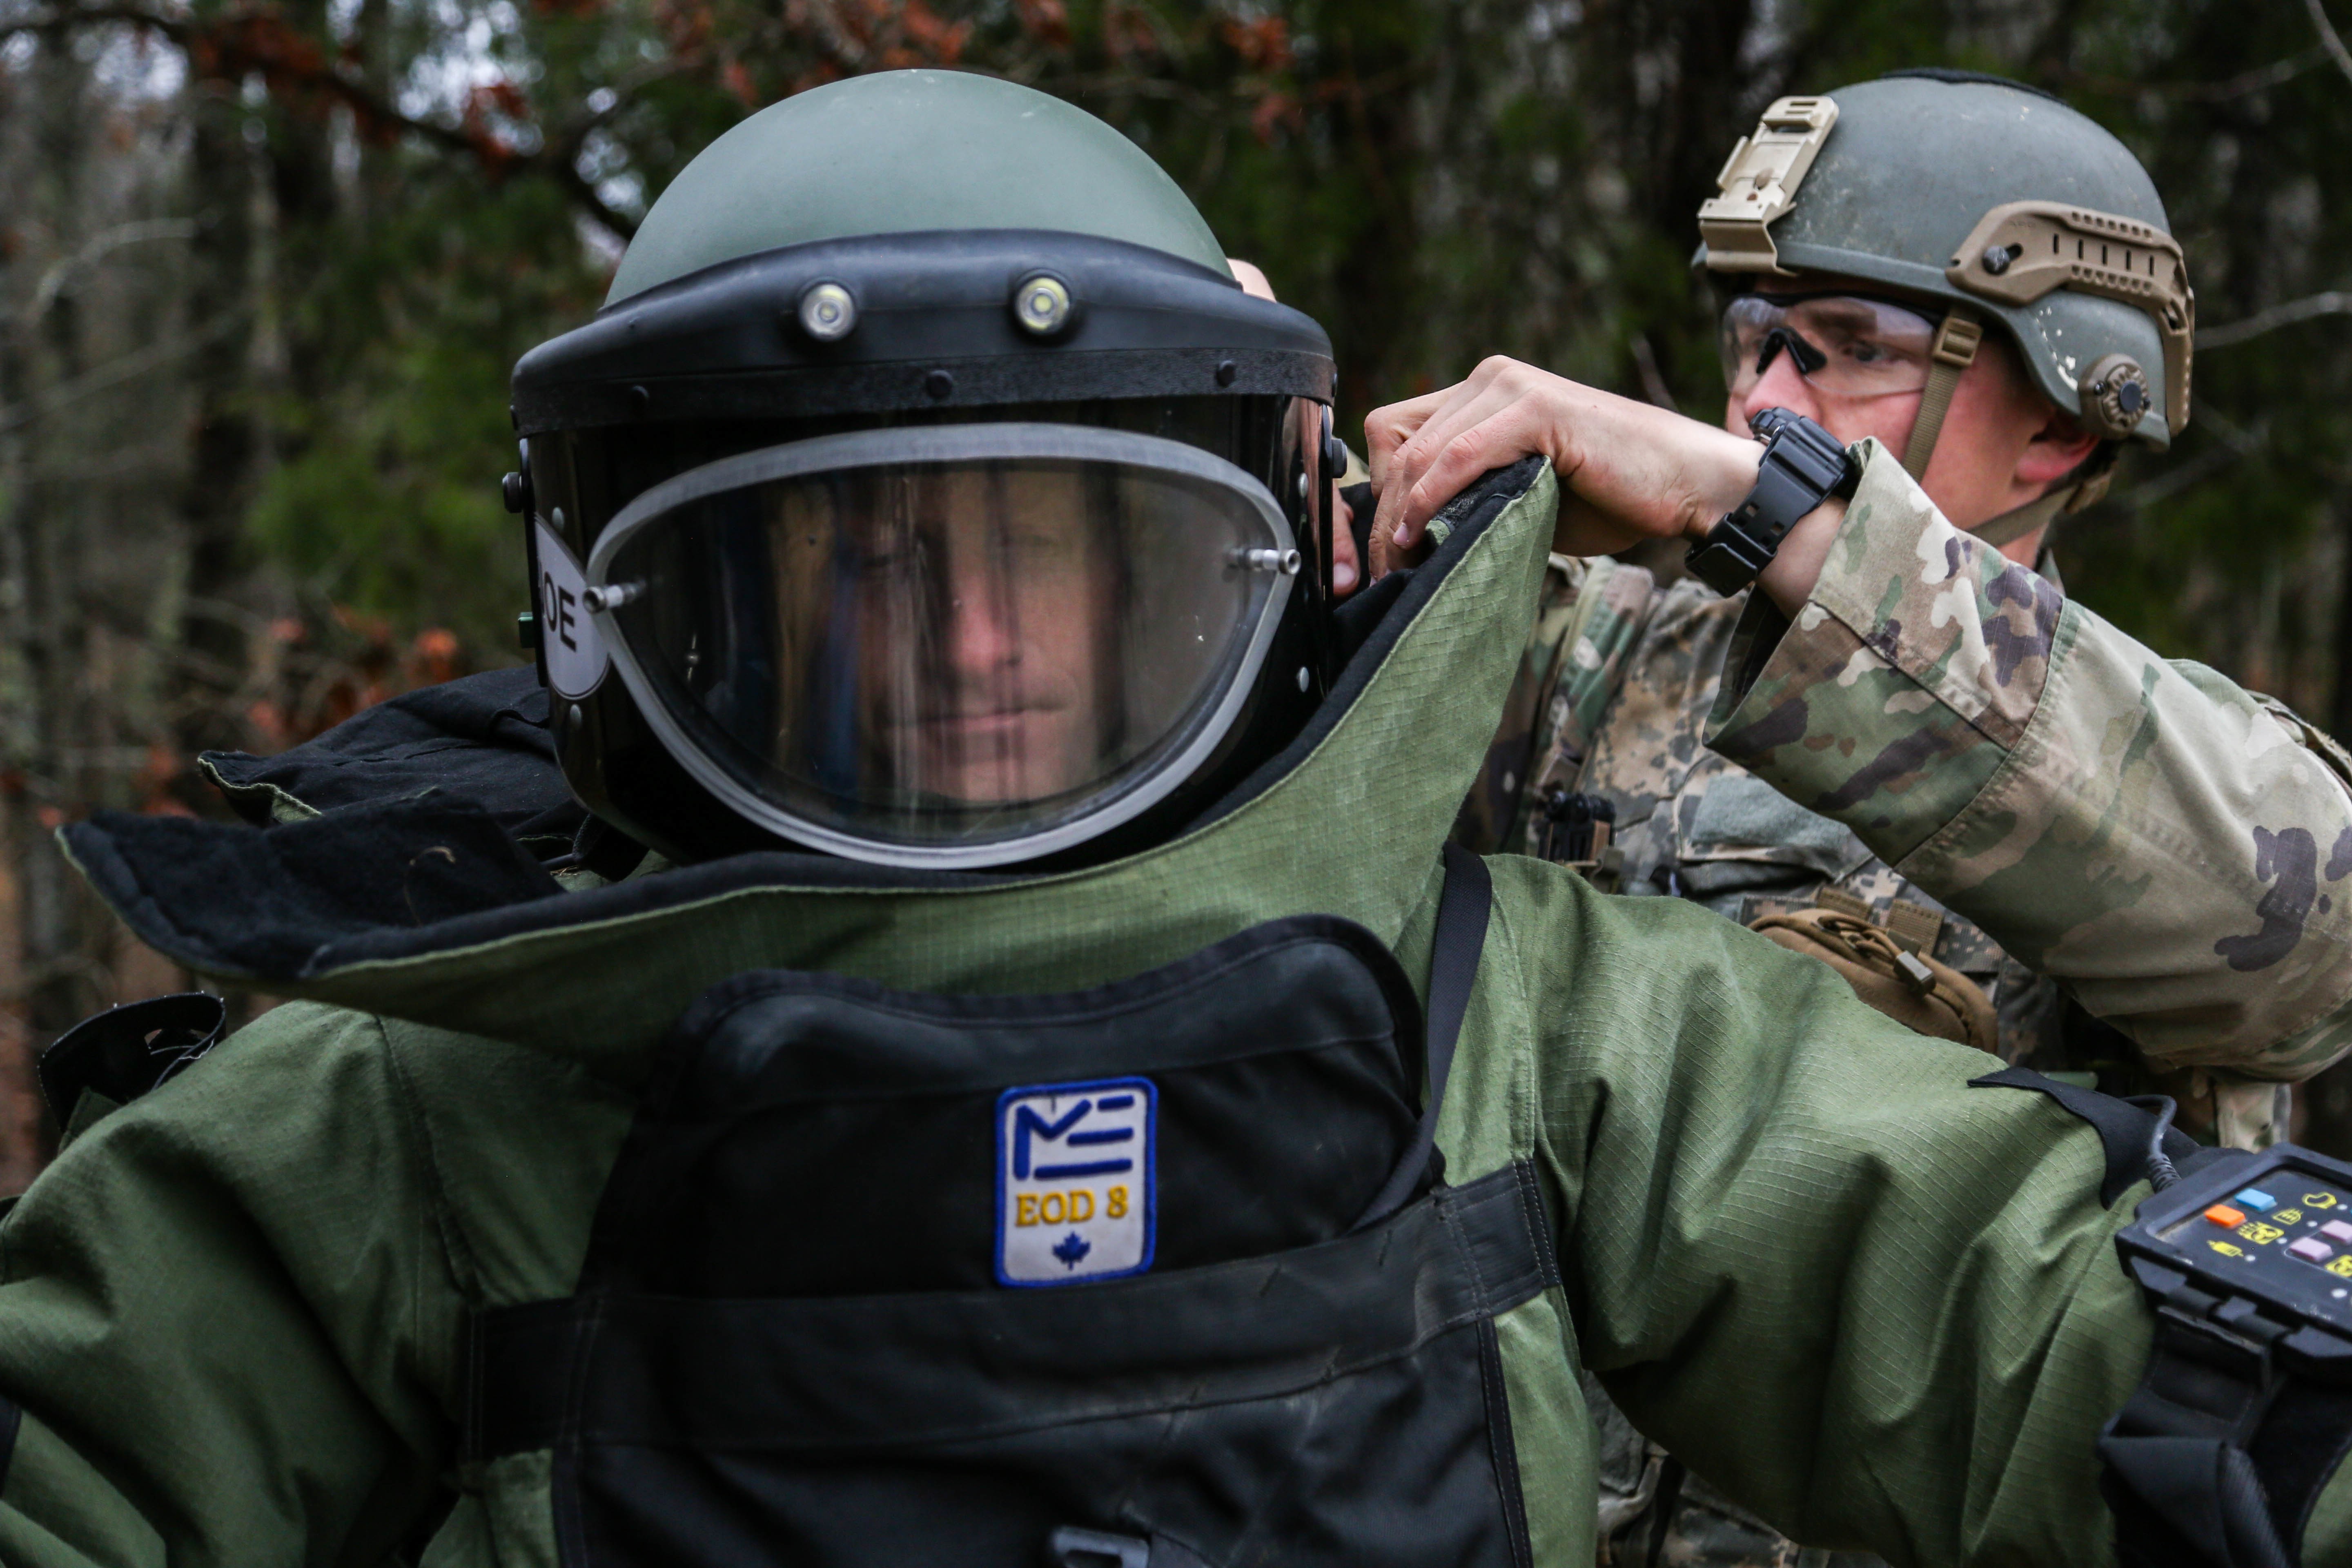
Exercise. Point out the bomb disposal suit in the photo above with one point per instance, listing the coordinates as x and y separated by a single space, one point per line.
1019 1109
2099 862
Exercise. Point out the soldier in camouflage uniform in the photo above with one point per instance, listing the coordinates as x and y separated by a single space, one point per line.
2134 862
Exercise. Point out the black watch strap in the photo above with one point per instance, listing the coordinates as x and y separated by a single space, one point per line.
1803 466
2218 1456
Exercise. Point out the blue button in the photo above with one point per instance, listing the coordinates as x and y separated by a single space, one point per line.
2257 1200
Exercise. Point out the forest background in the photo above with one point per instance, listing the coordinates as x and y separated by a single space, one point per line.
264 266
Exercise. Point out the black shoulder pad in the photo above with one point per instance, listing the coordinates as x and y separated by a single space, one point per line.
480 741
125 1051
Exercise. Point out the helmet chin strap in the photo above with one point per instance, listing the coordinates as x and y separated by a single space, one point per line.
2021 521
1954 349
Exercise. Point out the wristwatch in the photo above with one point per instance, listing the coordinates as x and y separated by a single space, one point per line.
1803 466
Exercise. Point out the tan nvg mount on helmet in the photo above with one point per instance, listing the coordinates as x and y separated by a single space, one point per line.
2061 241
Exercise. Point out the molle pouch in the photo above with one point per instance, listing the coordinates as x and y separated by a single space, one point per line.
1156 1275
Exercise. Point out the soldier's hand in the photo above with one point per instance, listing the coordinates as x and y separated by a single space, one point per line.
1627 470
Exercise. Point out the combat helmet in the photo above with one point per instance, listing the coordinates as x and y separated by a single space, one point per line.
926 492
2000 202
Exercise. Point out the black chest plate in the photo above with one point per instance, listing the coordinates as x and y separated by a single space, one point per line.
810 1135
889 1277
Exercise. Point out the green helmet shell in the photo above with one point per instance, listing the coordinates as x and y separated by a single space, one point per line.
902 151
908 263
1915 161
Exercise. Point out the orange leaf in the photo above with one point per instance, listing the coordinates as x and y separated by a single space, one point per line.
1275 109
1047 20
1263 42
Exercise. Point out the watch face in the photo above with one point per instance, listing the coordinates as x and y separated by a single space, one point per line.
2277 1228
1806 451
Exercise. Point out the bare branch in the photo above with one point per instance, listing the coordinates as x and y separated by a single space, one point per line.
114 372
2334 303
2178 477
2327 37
583 191
2262 79
51 21
235 58
564 141
45 292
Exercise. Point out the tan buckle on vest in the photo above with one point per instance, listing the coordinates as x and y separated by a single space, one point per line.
1842 903
1759 182
1915 927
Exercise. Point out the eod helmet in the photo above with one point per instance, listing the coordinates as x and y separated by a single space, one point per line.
1991 206
926 492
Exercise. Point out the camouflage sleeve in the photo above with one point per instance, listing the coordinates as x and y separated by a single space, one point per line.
1585 621
2140 830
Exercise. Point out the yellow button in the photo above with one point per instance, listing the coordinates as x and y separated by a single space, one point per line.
2222 1214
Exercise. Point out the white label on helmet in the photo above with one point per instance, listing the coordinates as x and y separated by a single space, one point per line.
1074 1181
567 633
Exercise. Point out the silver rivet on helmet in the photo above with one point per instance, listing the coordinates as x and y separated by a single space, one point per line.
1997 258
612 596
827 313
1286 561
1042 304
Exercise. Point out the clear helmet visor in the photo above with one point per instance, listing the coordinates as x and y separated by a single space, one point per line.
947 646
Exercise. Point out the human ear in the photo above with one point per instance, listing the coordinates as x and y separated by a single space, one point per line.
2055 449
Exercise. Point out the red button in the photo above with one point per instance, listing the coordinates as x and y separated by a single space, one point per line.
2224 1214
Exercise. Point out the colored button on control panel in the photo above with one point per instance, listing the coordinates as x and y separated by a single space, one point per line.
2222 1214
2312 1249
2336 1231
2256 1200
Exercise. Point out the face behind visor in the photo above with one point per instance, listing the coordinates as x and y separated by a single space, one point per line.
950 645
936 546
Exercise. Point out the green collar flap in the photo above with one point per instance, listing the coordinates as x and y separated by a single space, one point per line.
1349 825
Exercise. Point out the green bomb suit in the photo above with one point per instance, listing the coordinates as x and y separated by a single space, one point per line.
232 1313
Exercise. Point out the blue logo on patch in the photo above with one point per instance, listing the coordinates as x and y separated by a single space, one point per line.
1075 1181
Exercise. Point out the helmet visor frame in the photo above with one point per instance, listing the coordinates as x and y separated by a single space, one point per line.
1201 516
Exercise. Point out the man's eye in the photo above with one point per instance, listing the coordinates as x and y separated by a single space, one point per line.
879 564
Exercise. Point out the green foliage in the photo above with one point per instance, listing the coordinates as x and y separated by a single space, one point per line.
395 432
1434 180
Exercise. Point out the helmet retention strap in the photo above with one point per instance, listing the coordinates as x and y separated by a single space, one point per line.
1958 337
1953 350
2021 521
